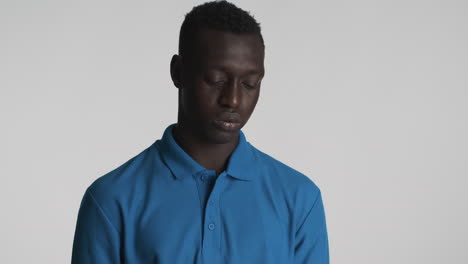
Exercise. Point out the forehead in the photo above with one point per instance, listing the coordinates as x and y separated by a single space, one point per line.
214 48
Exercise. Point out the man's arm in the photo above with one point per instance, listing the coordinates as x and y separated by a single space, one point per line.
311 245
96 238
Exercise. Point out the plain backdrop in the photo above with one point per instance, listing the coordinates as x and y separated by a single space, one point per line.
367 98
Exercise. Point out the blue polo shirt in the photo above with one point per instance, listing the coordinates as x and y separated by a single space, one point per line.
163 207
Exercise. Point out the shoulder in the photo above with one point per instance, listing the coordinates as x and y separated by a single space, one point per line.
113 191
279 171
293 184
293 190
126 175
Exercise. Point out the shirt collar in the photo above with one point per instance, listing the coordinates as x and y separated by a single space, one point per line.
240 164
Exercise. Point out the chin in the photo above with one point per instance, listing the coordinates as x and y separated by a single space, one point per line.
216 136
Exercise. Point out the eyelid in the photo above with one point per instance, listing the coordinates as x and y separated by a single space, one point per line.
250 86
217 83
215 80
215 77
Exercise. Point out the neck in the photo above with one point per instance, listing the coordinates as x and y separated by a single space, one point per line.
210 156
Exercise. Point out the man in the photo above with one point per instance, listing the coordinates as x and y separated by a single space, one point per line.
203 194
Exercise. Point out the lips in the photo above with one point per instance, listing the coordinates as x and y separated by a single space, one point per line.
228 122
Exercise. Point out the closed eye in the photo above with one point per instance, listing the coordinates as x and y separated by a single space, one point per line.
216 82
249 85
219 83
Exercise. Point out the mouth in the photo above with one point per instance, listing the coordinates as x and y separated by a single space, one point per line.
227 125
228 122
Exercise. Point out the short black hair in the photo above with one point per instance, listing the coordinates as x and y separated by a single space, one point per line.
218 15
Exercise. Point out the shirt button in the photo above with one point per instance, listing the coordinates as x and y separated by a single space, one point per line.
203 178
211 226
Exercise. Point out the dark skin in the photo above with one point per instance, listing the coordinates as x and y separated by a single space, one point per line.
219 86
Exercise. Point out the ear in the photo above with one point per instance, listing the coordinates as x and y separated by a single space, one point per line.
176 70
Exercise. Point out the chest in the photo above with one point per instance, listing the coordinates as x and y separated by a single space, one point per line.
209 220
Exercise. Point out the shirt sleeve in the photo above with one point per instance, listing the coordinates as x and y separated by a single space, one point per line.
311 242
96 239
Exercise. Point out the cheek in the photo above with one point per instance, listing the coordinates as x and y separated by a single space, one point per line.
254 98
203 99
250 102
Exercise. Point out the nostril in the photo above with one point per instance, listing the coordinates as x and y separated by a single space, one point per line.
230 96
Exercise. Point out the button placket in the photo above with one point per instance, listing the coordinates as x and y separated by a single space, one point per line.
212 205
212 224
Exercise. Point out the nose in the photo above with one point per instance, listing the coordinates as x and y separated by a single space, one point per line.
231 95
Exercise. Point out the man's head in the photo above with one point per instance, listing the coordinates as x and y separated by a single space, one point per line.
218 71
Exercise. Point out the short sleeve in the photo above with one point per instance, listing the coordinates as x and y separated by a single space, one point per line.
311 240
96 239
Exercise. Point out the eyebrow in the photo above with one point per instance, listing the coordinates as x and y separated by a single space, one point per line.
249 72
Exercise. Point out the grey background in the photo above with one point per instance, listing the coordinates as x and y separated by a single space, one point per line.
367 98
